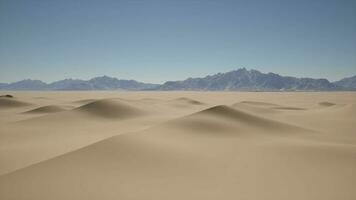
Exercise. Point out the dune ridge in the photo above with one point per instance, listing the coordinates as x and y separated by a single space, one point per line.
85 101
189 101
46 109
226 118
288 108
327 104
12 103
110 108
259 103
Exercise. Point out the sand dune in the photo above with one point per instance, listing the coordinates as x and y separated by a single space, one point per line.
184 102
6 96
288 108
189 101
85 101
348 110
11 103
110 108
325 103
46 109
224 119
180 145
270 105
259 110
258 103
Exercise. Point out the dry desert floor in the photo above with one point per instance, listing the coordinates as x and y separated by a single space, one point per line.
178 145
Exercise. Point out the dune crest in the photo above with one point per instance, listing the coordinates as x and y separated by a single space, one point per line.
110 108
241 116
225 118
6 96
6 102
189 101
85 101
288 108
268 105
46 109
326 104
259 103
250 108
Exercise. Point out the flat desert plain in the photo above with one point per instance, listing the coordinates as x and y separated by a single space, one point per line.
178 145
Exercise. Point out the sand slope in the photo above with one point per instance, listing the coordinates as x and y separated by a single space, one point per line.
11 103
223 119
144 146
109 108
46 109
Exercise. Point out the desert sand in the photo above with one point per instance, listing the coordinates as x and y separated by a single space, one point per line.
178 145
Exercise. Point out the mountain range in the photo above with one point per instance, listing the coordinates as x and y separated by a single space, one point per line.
349 82
237 80
98 83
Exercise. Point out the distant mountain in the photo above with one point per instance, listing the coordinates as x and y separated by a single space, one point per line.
26 84
98 83
349 82
109 83
2 85
249 80
237 80
70 84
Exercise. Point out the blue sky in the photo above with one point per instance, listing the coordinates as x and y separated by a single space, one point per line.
155 41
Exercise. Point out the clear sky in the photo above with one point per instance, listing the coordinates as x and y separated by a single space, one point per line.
155 41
